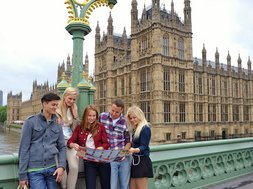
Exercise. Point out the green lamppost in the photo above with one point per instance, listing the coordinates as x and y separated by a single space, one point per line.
79 26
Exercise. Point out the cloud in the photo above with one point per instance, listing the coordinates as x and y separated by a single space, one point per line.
34 40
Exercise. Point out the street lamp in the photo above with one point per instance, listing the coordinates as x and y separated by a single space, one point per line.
78 26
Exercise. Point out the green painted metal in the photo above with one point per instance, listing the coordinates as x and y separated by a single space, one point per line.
78 27
91 96
200 164
9 171
78 31
179 166
62 85
83 97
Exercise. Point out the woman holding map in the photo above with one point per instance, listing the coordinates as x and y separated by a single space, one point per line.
141 168
91 134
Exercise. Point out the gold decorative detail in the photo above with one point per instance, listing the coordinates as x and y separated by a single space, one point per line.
83 20
70 79
82 4
85 75
71 10
63 76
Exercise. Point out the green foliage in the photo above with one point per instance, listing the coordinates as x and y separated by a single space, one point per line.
3 113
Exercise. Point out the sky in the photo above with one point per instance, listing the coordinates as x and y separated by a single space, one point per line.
34 41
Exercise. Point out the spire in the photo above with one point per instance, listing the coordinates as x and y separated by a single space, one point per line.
249 65
134 3
134 16
68 64
58 73
172 7
229 61
239 61
110 26
124 38
124 35
217 56
109 41
228 58
156 4
155 10
97 36
144 13
204 54
68 60
124 32
187 14
97 28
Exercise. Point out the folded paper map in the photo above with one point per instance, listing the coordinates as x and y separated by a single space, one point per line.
101 155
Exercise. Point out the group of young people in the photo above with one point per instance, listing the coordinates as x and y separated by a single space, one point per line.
53 137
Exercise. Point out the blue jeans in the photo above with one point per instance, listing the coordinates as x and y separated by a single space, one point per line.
43 179
91 171
120 171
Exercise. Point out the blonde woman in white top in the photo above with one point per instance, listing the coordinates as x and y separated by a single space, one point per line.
68 115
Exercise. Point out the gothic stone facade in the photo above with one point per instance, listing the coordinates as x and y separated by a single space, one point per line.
185 99
18 110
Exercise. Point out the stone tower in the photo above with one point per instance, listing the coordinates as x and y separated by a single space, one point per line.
182 98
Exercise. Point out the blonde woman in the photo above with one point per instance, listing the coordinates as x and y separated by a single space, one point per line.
141 168
68 115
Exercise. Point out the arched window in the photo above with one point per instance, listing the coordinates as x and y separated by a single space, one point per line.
181 48
144 44
145 78
166 45
166 79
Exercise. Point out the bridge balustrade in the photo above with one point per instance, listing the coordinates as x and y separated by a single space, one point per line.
200 164
177 166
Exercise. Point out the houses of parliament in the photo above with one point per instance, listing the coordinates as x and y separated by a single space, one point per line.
183 98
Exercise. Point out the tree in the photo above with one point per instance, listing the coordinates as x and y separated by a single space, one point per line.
3 114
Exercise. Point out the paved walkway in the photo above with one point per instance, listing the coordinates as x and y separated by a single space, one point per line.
245 182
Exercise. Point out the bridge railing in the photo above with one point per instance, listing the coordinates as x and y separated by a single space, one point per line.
177 166
9 171
200 164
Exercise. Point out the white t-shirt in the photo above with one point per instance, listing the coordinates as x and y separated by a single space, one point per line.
90 142
67 132
114 121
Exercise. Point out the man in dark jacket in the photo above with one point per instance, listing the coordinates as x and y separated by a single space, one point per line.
42 151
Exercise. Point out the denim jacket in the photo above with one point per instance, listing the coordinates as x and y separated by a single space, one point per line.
41 145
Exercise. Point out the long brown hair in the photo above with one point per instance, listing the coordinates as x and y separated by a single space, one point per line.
91 127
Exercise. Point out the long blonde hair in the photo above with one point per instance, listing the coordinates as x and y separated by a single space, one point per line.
136 111
63 108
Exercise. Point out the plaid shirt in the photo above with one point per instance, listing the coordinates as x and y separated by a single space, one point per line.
118 135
